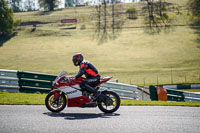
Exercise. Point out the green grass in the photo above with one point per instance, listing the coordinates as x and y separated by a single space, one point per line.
159 103
21 99
191 90
134 57
39 99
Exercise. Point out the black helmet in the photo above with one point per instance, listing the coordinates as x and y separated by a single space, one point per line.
77 59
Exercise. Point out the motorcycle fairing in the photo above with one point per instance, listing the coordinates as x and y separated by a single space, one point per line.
56 94
77 101
74 96
72 91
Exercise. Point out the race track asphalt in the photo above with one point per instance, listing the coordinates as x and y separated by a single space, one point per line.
128 119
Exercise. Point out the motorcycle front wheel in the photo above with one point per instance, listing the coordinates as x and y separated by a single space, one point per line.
55 105
111 104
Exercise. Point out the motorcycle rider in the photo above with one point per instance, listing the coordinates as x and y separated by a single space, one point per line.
90 72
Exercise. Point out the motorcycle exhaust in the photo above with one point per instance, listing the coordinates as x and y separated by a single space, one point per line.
92 104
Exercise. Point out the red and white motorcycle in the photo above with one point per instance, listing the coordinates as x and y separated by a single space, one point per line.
56 100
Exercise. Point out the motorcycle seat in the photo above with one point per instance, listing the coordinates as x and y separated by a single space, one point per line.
106 78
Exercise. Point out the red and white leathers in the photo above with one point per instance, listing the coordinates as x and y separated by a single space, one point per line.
91 74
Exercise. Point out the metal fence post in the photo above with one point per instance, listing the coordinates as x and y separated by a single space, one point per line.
171 76
142 94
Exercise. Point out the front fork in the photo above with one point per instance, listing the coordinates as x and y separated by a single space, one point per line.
56 94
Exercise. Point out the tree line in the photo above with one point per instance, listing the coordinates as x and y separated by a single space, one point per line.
32 5
51 5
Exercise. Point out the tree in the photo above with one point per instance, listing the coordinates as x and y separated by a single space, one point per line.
69 3
157 16
98 10
49 4
29 5
194 6
15 5
109 23
105 12
6 19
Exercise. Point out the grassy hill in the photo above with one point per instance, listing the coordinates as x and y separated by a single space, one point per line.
133 57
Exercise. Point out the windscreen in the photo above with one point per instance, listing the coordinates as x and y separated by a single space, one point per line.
62 73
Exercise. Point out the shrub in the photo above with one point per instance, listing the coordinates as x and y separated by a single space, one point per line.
83 27
132 11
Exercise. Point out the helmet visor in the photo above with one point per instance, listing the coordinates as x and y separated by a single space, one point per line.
76 62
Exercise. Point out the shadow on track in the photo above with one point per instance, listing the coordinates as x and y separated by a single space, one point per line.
80 116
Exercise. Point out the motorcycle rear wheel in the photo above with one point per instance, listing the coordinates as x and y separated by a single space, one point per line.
55 106
112 105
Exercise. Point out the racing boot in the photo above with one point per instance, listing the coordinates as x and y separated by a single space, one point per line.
96 95
90 89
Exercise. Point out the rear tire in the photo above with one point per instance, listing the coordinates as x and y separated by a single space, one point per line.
115 102
55 106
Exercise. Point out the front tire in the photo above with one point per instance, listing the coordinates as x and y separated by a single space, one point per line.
55 105
112 105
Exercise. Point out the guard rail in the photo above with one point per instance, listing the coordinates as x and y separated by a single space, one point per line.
158 92
31 82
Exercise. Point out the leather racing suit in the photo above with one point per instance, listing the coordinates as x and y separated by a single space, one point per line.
91 74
